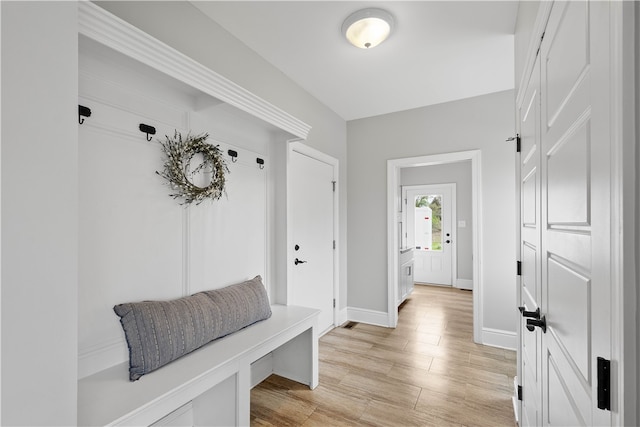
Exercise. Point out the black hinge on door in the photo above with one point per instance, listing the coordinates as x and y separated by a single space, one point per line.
604 384
334 186
334 244
334 303
519 392
519 268
517 140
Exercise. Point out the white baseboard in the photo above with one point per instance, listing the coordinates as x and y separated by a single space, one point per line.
499 338
371 317
464 284
342 316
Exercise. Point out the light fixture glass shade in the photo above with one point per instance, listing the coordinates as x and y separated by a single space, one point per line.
367 28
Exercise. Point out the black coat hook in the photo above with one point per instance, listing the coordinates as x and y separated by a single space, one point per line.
83 112
233 154
260 162
149 130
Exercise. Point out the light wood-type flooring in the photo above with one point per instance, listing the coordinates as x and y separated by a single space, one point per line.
426 372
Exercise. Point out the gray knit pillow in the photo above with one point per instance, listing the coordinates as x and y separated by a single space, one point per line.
159 332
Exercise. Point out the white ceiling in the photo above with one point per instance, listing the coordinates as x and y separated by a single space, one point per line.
439 51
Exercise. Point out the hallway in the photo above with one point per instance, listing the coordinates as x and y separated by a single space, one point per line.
427 371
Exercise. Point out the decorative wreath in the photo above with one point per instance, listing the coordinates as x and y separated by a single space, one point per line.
177 167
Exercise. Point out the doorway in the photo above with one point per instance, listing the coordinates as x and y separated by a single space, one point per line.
394 168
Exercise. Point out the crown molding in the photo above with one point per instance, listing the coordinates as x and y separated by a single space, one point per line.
117 34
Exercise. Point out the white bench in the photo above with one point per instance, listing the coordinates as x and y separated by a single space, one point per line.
213 382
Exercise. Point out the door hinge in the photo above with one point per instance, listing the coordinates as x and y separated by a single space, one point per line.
334 244
604 384
517 140
519 392
519 268
334 186
334 303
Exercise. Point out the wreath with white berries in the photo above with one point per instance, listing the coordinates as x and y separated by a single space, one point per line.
177 170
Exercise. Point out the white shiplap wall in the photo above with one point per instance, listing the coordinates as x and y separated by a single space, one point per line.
135 242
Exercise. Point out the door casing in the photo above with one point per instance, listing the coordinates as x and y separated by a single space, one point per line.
393 188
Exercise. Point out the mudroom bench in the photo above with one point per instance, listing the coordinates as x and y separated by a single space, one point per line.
211 385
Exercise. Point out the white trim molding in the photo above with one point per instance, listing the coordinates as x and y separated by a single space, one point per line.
625 350
371 317
117 34
464 284
500 338
393 186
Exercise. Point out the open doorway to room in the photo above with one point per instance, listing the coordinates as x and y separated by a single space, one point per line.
407 180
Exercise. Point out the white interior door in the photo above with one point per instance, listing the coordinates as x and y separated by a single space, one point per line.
568 277
530 280
312 212
429 217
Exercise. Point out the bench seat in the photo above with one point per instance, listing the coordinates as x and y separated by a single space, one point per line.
290 336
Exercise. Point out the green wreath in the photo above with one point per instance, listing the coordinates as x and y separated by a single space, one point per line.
179 152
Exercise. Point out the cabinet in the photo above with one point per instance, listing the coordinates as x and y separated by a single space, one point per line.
405 279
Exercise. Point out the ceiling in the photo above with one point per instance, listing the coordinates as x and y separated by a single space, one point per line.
439 51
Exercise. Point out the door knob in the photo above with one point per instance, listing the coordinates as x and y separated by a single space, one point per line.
298 261
541 323
531 314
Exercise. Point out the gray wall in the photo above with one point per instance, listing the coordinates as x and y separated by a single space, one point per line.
476 123
39 213
460 174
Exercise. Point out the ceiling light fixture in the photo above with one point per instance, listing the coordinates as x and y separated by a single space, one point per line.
368 28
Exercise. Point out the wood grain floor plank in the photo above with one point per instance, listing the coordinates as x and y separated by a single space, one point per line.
426 372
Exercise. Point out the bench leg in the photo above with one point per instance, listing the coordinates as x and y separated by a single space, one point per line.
219 406
244 395
298 358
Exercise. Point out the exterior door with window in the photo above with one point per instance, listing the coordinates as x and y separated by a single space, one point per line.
429 211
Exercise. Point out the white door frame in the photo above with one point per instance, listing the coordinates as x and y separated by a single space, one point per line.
303 149
454 221
393 187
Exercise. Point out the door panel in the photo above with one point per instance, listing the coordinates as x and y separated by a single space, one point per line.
569 300
568 179
312 218
562 409
570 255
565 187
530 294
567 54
